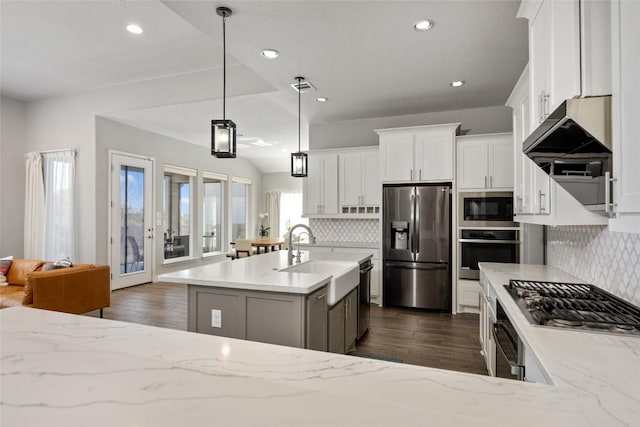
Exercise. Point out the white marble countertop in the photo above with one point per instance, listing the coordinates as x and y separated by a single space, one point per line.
67 370
600 371
261 272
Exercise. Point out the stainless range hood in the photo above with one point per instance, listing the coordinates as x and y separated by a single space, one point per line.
573 146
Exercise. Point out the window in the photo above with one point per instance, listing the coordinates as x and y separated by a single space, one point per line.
291 211
213 189
177 197
59 229
240 196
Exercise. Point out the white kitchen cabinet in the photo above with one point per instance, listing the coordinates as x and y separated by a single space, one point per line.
320 188
625 115
485 161
359 182
486 321
467 296
418 154
569 52
537 198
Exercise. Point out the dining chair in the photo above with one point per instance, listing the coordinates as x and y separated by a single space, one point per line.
243 248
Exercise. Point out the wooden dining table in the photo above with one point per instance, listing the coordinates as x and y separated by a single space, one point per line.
267 243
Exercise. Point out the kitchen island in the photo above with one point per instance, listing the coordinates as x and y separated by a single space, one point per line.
262 298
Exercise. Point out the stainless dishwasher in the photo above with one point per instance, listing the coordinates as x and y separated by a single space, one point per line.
364 297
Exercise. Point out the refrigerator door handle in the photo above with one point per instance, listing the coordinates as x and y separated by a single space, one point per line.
412 224
416 229
418 265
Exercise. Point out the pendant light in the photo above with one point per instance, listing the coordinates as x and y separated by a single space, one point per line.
223 132
299 160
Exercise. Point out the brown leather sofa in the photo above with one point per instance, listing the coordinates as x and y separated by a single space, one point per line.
78 289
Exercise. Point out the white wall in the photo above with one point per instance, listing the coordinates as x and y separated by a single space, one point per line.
111 135
359 133
12 177
70 122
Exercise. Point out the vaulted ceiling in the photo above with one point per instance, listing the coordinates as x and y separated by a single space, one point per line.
364 56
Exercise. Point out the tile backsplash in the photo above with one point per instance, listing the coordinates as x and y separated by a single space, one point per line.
345 230
607 259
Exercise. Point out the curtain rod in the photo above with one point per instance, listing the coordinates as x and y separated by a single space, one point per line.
57 151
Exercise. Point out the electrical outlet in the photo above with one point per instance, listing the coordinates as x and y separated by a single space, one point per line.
216 318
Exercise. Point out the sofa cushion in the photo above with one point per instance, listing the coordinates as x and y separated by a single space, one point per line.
28 286
5 263
20 268
11 296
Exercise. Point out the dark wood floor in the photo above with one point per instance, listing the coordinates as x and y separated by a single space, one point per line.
417 337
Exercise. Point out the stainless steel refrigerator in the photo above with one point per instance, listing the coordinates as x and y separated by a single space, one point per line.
417 246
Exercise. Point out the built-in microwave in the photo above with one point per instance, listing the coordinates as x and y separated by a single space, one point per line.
486 209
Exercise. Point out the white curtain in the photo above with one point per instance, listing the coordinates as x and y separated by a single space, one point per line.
60 205
273 209
33 207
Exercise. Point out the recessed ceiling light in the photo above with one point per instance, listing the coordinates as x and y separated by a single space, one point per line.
457 83
135 29
270 53
322 99
424 25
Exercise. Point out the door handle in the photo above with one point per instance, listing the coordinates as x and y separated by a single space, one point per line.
417 226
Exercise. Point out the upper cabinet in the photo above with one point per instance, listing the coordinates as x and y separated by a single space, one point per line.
569 52
343 183
485 162
320 188
418 154
359 181
625 114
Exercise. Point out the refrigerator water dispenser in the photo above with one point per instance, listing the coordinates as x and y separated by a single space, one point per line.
400 232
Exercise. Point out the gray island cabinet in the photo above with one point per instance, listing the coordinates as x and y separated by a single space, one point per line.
293 320
260 298
343 324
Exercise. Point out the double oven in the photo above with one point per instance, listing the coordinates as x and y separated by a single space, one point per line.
486 231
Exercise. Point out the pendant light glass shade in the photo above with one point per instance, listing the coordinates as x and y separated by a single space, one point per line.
223 138
223 132
299 160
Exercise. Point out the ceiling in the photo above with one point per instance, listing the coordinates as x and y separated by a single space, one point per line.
364 56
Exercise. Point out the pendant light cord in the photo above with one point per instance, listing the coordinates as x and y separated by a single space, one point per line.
224 66
299 95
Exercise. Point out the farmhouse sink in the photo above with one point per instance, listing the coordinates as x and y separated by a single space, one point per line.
345 276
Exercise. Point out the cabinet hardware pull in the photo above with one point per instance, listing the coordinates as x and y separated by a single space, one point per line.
608 205
540 112
540 196
491 181
545 104
321 296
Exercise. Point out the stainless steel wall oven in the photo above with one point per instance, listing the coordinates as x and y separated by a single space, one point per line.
486 245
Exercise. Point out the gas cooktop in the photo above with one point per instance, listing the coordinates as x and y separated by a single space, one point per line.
574 306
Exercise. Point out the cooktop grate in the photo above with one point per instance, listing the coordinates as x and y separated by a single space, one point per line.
574 305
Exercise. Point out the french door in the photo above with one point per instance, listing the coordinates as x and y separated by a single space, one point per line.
131 211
